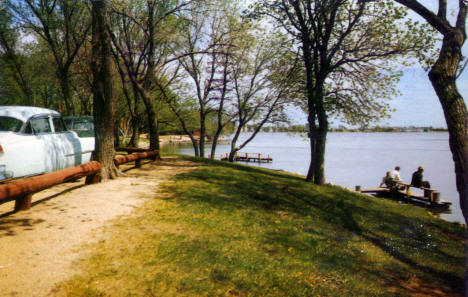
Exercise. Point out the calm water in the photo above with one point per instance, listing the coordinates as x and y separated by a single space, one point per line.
361 158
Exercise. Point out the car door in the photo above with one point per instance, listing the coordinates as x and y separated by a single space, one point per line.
68 146
23 153
45 147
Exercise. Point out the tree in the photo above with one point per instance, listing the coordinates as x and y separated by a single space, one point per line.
338 36
27 71
204 60
145 55
264 83
12 59
443 76
63 25
103 107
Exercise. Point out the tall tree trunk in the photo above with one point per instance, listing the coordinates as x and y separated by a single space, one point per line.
216 136
135 122
65 89
195 145
443 75
102 91
311 118
235 149
213 146
201 141
153 128
443 79
116 133
319 158
152 121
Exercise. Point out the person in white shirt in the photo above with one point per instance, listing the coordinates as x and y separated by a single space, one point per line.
395 175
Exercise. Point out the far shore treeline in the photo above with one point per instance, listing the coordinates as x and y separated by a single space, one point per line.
303 129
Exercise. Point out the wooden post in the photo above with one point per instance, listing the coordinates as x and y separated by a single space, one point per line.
23 202
408 190
435 197
93 179
138 163
358 188
427 193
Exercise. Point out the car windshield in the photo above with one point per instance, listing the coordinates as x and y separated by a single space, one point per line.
10 124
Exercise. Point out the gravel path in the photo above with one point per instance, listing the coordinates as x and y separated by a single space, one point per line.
38 246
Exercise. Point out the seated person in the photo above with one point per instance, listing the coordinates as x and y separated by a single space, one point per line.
395 174
417 179
387 180
398 182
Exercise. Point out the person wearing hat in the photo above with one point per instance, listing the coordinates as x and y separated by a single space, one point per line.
417 179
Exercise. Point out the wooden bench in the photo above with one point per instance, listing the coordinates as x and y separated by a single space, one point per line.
430 195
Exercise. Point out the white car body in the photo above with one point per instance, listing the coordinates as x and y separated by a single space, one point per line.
35 140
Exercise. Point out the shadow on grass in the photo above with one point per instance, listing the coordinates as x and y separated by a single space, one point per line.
226 186
453 281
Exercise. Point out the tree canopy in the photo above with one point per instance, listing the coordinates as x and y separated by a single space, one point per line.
349 51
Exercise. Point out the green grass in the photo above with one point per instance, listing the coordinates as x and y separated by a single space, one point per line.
232 230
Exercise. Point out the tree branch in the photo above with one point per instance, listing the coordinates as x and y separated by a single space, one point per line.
440 24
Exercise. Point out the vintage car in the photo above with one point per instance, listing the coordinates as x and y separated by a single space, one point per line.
35 140
82 125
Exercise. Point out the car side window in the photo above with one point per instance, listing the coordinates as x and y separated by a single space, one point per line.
39 125
10 124
59 125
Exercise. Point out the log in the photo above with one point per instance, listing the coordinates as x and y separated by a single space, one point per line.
131 149
38 183
122 159
22 189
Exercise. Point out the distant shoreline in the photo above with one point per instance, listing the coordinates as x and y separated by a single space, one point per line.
174 138
303 129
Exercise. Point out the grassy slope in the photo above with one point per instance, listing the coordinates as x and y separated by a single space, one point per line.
233 230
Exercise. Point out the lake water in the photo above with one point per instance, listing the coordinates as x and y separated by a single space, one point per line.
360 158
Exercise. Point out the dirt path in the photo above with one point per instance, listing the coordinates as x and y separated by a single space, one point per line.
38 246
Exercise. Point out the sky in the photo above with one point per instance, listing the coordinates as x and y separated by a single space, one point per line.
418 104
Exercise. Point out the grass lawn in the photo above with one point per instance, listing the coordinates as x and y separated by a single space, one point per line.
232 230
